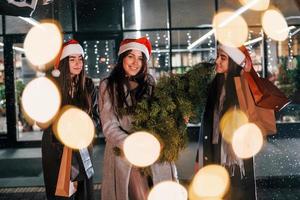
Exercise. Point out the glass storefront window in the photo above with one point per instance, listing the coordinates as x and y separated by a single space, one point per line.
65 15
277 165
288 78
183 58
254 44
192 14
3 125
23 75
142 14
43 12
1 24
252 17
15 25
100 58
159 63
99 15
289 9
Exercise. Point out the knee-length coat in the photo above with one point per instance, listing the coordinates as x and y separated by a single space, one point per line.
52 150
116 169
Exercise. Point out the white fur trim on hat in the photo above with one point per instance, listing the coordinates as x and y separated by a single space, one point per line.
234 53
136 46
71 49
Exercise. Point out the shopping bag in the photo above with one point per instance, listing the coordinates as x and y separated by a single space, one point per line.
264 118
65 187
265 93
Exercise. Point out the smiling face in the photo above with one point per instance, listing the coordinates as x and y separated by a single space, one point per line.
133 62
75 64
222 62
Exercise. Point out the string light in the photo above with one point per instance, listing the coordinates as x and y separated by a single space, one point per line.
189 38
97 57
250 46
210 46
167 47
86 66
107 56
269 52
290 49
157 49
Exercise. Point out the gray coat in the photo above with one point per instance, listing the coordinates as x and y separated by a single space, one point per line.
116 168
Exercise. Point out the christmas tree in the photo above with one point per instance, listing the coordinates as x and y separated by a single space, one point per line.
175 98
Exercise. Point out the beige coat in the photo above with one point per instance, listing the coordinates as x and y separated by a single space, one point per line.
116 169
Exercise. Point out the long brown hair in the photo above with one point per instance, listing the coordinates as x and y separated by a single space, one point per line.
231 99
117 80
82 98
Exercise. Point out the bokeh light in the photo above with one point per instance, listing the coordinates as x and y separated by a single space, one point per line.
232 33
141 149
231 121
168 190
74 127
247 140
42 44
40 100
259 5
275 25
210 182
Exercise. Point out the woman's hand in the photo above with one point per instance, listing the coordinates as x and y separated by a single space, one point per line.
186 119
248 64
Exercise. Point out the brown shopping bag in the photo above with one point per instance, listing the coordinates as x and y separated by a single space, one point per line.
65 187
265 93
264 118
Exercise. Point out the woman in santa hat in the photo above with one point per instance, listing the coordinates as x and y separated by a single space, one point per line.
127 85
77 90
231 62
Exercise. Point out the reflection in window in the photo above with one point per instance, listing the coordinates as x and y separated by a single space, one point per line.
252 17
192 14
3 125
141 14
16 25
99 57
254 45
65 15
1 24
183 58
277 165
98 15
23 75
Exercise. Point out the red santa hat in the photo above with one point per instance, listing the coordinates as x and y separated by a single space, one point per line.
238 55
142 44
69 48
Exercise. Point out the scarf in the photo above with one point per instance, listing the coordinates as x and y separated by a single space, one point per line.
228 157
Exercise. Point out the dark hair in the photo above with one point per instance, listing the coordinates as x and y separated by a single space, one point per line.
82 98
220 80
231 99
118 79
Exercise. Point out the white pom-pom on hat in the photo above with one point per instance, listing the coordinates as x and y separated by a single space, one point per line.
55 72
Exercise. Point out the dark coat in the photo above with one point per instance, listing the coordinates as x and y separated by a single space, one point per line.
52 152
210 153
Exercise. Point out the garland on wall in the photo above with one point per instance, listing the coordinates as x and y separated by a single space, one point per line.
175 98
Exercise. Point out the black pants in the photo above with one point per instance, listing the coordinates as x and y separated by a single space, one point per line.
240 188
